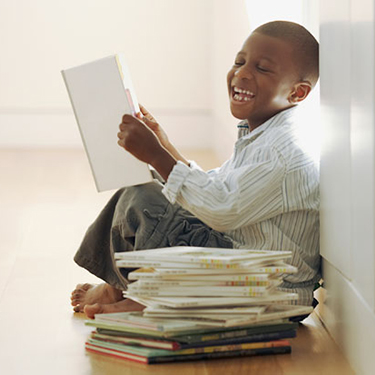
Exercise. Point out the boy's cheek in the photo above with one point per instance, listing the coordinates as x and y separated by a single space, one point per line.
230 76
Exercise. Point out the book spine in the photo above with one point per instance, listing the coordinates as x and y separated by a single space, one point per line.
239 353
223 335
259 337
234 347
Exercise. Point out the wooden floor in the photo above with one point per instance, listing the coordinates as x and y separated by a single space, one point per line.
47 200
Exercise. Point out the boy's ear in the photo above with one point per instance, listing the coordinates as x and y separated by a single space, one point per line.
299 92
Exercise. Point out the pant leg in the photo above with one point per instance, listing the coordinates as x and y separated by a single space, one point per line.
135 218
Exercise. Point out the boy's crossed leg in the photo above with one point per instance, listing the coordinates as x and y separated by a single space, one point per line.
135 218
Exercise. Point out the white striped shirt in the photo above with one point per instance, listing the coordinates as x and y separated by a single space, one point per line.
266 196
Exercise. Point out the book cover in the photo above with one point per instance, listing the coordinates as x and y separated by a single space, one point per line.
101 92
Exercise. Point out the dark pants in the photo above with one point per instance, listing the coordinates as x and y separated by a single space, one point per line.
136 218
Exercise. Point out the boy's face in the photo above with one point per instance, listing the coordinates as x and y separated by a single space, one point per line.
262 79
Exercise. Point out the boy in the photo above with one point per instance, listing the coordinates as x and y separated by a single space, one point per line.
265 197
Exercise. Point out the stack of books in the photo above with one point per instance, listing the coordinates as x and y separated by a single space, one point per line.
200 303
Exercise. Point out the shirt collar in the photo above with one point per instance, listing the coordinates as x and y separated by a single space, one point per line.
280 119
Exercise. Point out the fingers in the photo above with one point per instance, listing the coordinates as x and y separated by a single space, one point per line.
127 118
146 113
143 109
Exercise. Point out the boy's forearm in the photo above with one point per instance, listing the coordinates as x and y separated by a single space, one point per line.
164 162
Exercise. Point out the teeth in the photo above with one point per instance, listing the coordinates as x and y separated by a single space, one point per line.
247 92
241 97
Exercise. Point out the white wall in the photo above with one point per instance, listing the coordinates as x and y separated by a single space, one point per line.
347 176
230 29
168 49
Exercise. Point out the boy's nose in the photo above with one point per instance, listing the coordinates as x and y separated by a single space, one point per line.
243 73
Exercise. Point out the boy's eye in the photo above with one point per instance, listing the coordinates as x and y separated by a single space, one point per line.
238 62
262 69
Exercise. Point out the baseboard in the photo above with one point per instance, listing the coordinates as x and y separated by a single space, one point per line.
44 129
348 318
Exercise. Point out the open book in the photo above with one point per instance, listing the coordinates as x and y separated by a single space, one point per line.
101 92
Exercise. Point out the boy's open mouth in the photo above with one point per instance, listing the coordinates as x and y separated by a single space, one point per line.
241 95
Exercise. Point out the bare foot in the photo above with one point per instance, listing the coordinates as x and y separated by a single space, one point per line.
88 294
121 306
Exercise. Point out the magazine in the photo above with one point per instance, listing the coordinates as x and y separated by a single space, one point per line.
202 255
187 302
251 273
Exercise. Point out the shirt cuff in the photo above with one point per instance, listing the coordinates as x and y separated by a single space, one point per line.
194 165
176 179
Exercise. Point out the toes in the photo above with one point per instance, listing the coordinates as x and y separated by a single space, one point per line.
75 302
91 310
76 297
77 308
84 287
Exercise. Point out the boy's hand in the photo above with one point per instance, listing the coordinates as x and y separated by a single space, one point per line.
152 124
138 139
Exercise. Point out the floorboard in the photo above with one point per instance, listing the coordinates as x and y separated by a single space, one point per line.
47 200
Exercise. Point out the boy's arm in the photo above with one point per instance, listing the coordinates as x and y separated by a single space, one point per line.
232 199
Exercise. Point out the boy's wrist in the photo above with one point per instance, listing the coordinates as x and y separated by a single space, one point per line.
176 154
164 163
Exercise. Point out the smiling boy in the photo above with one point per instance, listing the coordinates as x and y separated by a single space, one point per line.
265 197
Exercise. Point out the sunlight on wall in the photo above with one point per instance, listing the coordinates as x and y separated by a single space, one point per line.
306 13
271 10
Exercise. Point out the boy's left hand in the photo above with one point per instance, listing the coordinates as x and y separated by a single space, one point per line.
138 139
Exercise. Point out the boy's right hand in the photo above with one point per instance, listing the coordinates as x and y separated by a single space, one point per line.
151 123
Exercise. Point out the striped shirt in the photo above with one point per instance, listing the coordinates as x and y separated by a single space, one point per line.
266 196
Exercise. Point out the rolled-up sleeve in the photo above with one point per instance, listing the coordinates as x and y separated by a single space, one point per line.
227 201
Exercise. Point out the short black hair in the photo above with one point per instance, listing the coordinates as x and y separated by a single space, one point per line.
305 46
